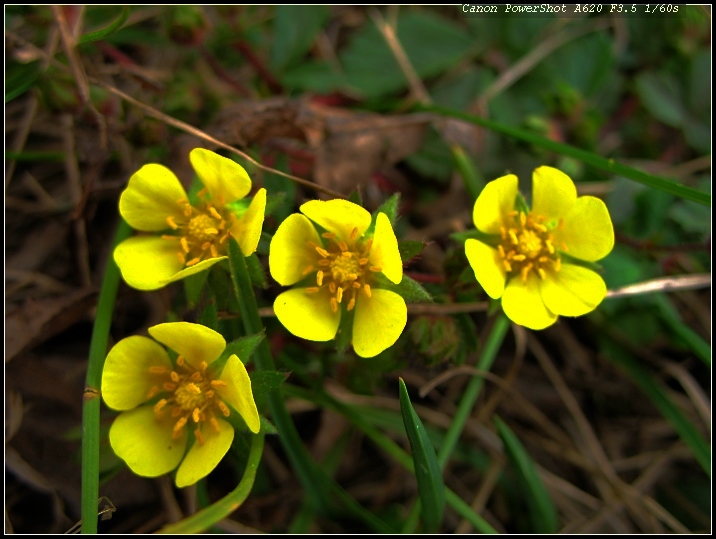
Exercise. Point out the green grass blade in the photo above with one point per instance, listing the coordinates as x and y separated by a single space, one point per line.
107 30
91 401
427 472
609 165
471 177
222 508
542 511
672 318
660 398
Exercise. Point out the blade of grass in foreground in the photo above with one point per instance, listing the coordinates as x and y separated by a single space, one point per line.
597 161
222 508
91 401
542 511
427 472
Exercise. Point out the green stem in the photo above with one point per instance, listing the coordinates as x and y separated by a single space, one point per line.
321 489
222 508
91 401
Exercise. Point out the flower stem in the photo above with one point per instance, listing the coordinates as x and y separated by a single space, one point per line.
91 400
322 490
222 508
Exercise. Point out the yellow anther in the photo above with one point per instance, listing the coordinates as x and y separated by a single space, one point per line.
324 262
159 406
184 244
182 258
322 252
354 233
215 424
171 222
519 258
523 218
203 192
558 264
218 383
366 289
328 235
549 246
152 392
307 270
332 287
225 238
210 394
339 295
196 376
193 261
199 437
215 213
342 245
214 251
541 273
508 266
188 210
356 284
368 245
351 303
363 261
180 361
203 366
169 237
177 411
376 269
540 227
346 254
312 289
513 236
319 278
157 369
501 250
174 376
334 305
211 231
224 409
180 424
196 415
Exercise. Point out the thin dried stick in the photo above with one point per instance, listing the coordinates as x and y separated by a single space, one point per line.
663 284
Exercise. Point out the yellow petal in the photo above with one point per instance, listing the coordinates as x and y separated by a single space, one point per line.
573 291
203 458
379 321
148 262
384 252
587 230
553 193
145 443
338 216
522 303
496 200
289 253
487 265
125 378
308 316
151 196
196 268
195 342
225 179
247 230
238 392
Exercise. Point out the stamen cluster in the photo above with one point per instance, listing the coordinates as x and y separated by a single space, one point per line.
192 396
342 267
528 245
203 232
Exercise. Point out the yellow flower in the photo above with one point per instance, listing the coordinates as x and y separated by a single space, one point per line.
530 263
162 402
336 272
195 237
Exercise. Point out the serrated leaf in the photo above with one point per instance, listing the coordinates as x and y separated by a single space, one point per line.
410 290
242 347
427 471
390 207
209 315
433 44
409 249
193 287
264 382
295 30
542 511
256 271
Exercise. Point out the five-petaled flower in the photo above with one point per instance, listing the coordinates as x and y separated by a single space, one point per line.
164 404
337 270
194 237
532 262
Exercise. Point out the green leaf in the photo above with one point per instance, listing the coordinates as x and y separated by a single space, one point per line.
390 208
433 44
193 287
427 472
19 78
661 95
243 347
264 382
542 511
409 249
609 165
256 271
409 289
295 30
108 30
316 76
209 315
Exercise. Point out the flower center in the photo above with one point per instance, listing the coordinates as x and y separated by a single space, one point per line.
202 232
342 267
528 246
190 395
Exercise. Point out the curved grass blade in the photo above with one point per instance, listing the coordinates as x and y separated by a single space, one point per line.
542 511
107 30
658 396
597 161
427 471
221 509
